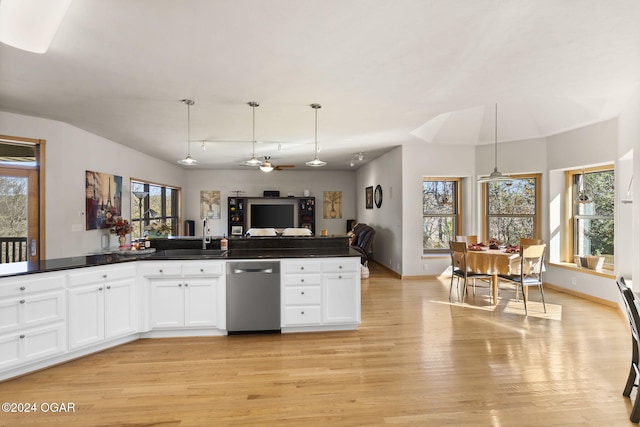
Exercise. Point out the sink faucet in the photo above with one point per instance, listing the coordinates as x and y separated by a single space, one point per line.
205 238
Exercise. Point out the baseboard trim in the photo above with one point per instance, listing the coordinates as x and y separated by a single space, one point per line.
581 295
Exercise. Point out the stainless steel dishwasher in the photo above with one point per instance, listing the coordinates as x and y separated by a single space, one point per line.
253 296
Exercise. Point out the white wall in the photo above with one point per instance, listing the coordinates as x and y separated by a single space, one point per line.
385 171
592 145
428 160
253 183
70 152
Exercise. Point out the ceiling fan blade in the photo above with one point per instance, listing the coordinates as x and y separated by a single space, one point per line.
281 167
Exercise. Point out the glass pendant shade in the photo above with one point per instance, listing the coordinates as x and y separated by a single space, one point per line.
496 175
316 162
188 161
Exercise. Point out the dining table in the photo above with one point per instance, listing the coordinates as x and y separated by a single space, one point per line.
493 262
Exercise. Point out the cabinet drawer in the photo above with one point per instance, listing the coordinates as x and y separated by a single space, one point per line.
338 265
301 266
23 285
161 269
199 268
301 279
301 295
303 315
92 275
32 309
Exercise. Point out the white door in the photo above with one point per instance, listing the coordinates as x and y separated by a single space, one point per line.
86 315
120 308
167 303
340 298
200 302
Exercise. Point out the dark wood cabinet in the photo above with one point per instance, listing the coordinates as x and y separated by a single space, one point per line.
238 216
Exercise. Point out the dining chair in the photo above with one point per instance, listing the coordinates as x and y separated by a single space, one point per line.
526 242
630 303
459 268
530 274
469 240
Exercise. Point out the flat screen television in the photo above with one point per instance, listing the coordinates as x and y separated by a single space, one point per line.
272 216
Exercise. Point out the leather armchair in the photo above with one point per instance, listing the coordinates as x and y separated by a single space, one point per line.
363 241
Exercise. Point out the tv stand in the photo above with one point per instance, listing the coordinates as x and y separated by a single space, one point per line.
238 213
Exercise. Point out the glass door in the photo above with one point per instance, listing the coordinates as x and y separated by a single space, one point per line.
19 201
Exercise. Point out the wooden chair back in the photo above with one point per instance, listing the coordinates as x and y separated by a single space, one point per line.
469 240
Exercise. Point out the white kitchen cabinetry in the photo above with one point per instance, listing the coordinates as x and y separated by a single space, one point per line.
102 305
194 299
32 318
320 294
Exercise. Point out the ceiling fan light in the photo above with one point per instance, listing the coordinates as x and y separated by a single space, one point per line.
266 167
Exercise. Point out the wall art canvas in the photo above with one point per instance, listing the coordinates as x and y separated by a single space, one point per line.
210 204
369 197
103 194
332 204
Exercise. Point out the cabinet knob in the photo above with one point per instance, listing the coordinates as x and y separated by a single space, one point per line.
160 271
104 276
22 288
100 288
340 267
22 301
179 285
202 270
302 312
302 293
302 268
22 336
109 287
301 280
186 284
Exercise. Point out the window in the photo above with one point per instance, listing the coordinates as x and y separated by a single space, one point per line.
162 206
512 209
593 220
441 213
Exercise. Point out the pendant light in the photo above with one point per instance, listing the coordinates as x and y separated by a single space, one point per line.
253 161
316 162
188 161
496 175
582 198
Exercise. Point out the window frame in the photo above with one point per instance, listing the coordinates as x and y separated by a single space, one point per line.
456 199
538 207
570 238
176 206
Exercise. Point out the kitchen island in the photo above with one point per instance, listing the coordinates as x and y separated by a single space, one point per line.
60 309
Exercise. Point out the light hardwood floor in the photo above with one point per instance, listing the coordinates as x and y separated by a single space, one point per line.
416 360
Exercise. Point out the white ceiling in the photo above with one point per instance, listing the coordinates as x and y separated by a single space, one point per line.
386 73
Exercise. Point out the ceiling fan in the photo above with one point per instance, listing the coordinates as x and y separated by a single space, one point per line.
267 166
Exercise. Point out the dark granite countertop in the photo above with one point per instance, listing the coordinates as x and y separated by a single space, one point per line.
28 267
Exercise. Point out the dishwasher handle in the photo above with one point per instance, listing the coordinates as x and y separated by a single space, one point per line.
252 270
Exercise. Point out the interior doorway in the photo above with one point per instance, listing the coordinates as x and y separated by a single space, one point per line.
21 199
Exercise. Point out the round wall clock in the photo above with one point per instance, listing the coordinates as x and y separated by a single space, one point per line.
377 195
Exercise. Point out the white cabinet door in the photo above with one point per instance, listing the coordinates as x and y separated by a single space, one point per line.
86 315
32 344
120 308
341 299
201 302
167 303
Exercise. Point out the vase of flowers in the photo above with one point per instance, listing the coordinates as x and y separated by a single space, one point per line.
158 229
121 228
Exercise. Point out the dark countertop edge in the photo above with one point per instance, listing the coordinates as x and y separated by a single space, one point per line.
71 263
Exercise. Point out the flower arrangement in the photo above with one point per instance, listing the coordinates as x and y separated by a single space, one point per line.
161 228
121 227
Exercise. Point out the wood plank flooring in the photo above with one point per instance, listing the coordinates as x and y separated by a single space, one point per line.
416 360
